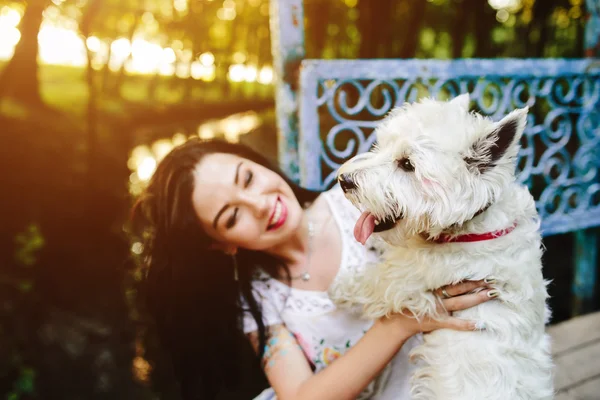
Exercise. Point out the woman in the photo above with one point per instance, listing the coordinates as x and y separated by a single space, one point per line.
238 254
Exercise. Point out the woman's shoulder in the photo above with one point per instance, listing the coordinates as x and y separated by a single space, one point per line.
334 191
263 284
343 211
340 204
346 215
267 295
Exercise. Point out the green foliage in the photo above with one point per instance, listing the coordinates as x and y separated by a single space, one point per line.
24 385
28 243
13 109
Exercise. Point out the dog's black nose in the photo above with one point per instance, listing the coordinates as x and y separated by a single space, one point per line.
346 183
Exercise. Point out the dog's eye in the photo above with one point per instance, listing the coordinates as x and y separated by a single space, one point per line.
406 165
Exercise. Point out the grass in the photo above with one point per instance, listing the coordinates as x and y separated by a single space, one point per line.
65 89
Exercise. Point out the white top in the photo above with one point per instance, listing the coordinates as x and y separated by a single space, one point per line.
323 331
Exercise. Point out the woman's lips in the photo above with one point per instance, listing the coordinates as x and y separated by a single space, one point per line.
279 215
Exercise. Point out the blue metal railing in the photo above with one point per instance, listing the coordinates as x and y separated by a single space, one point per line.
327 115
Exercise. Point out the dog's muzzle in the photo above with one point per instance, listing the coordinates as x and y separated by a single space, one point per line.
350 168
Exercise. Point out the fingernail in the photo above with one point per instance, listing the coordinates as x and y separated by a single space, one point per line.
480 325
490 280
493 293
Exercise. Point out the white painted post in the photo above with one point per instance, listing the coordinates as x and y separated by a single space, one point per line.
287 47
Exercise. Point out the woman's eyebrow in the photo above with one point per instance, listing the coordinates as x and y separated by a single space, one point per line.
224 208
237 172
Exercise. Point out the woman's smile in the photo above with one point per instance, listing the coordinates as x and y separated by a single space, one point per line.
278 216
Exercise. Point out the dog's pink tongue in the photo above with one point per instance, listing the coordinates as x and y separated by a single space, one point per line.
364 227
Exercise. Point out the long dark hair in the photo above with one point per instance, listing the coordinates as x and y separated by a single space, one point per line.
190 289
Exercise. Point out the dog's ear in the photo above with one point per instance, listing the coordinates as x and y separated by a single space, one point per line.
500 142
462 101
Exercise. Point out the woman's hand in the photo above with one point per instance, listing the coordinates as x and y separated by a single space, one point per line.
457 297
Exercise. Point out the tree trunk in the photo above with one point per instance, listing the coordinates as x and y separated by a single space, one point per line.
195 18
91 116
485 19
153 86
318 17
459 29
190 82
579 41
20 79
105 81
120 73
367 27
237 33
541 13
413 26
540 46
389 30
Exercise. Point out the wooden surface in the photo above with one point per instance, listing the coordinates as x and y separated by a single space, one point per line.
576 353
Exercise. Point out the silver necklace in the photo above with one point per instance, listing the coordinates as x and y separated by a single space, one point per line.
305 276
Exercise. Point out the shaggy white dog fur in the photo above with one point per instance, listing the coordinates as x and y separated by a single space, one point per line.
439 188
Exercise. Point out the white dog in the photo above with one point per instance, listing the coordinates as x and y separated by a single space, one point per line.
439 187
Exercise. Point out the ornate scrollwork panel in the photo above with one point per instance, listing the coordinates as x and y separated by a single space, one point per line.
343 101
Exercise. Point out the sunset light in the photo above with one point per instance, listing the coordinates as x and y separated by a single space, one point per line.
144 159
61 44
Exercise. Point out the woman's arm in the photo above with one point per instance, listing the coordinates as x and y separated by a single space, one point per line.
290 375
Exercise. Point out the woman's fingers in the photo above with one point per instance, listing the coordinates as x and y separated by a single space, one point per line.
459 324
460 288
469 300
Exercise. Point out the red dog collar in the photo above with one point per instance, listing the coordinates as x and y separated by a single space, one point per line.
474 237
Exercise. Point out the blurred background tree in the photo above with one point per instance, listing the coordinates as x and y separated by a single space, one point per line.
93 93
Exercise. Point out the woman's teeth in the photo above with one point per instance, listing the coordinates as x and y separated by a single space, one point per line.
277 214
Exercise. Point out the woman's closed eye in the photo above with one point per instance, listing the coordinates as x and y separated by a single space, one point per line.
232 219
234 216
248 181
